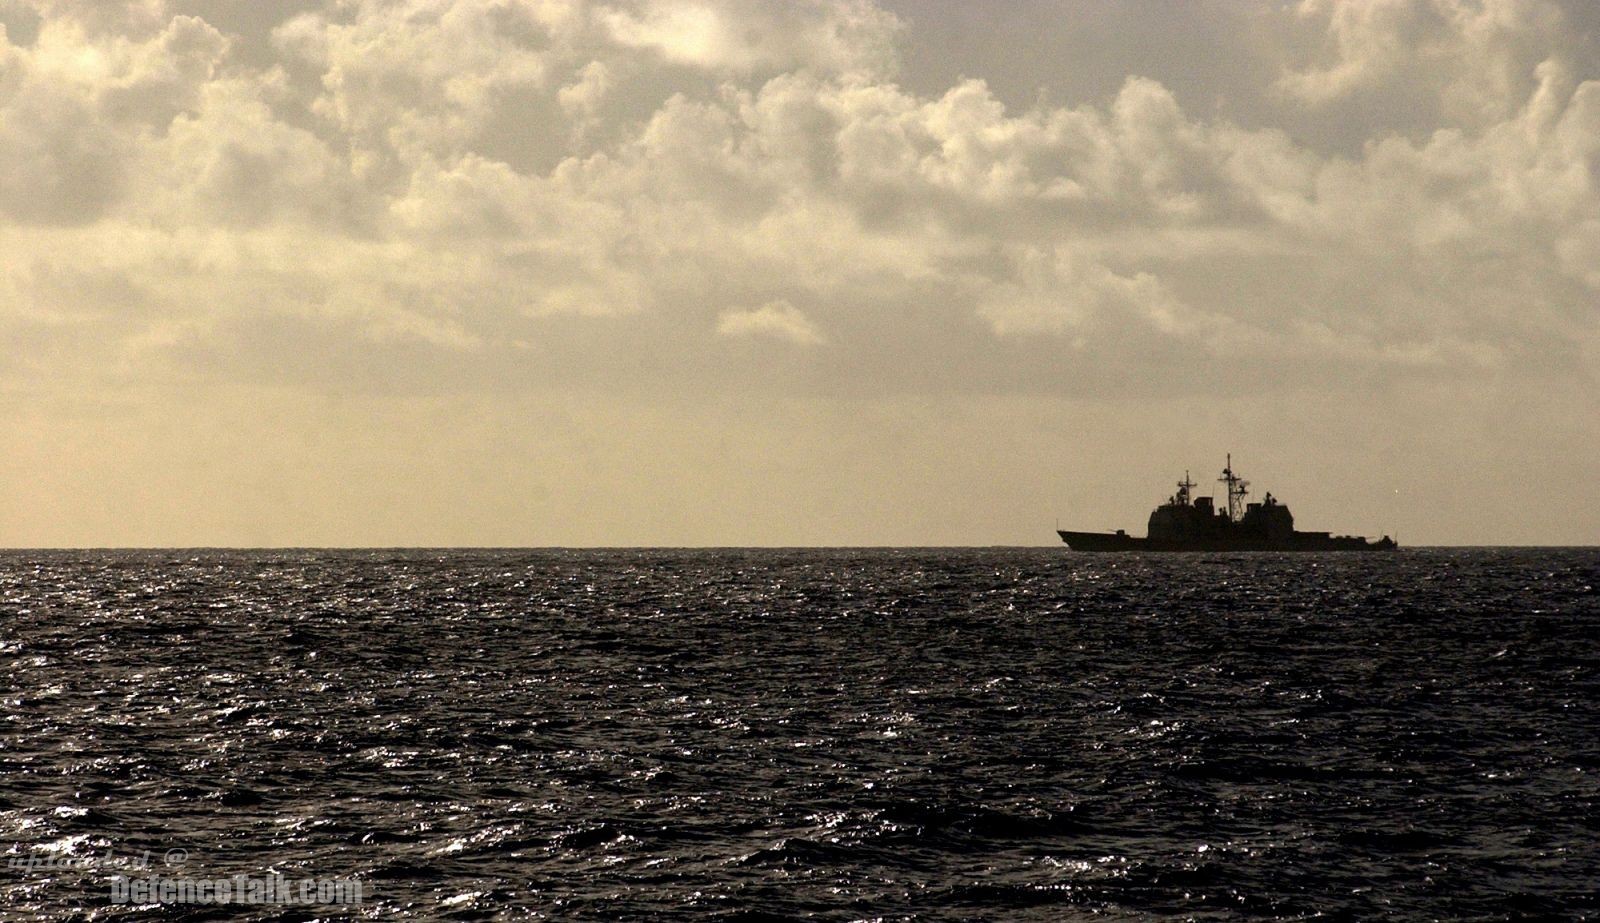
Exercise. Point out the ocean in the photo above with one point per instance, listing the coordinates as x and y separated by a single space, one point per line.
895 734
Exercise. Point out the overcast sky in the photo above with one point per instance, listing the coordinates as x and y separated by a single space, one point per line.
572 272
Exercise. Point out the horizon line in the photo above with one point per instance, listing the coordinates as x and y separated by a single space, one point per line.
706 547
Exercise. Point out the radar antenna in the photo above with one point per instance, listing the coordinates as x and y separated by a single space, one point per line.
1184 487
1237 489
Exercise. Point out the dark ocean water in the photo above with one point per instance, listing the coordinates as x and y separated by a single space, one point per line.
824 734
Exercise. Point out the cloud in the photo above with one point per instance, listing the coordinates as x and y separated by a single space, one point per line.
777 319
508 180
584 95
422 77
63 166
745 36
1469 61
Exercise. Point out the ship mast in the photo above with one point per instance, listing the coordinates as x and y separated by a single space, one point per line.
1184 487
1237 488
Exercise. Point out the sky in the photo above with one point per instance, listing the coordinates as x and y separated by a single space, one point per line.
818 272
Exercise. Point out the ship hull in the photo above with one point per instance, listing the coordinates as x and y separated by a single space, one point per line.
1302 541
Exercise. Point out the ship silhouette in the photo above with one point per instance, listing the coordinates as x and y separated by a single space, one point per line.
1189 523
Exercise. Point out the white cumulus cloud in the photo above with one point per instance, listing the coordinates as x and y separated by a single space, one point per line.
778 319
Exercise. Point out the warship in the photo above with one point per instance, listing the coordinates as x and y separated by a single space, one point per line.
1190 523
